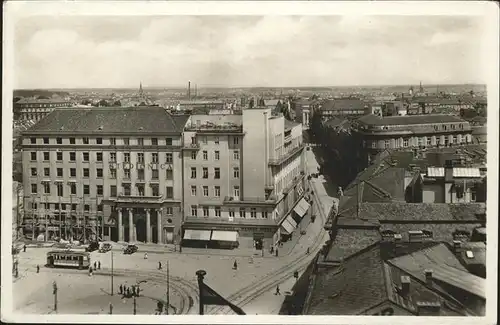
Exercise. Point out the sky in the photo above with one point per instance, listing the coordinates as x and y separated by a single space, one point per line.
246 51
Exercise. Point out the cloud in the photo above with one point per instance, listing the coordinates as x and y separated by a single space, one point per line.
245 50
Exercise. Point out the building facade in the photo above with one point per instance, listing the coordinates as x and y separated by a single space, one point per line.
424 131
243 175
110 173
36 109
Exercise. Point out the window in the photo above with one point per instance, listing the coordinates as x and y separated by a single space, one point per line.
112 141
45 140
112 173
155 174
126 189
405 143
34 172
216 172
155 189
169 211
253 213
205 190
126 141
453 126
169 174
194 211
193 190
34 189
236 172
193 172
205 155
126 173
236 191
59 140
126 157
169 158
85 140
193 155
454 139
86 207
86 189
236 155
168 141
154 141
46 156
33 140
206 212
444 127
140 158
204 140
85 156
140 141
33 156
420 142
72 188
59 172
217 211
98 156
231 213
59 156
140 174
98 140
265 215
217 155
112 156
216 140
99 190
193 140
140 189
112 190
428 141
242 212
386 144
72 141
217 191
154 158
99 207
205 172
473 195
170 192
86 172
46 187
99 172
236 141
46 172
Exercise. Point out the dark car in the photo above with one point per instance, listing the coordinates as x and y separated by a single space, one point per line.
106 247
130 249
93 246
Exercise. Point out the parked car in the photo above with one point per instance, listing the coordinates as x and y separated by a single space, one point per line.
130 249
106 247
93 246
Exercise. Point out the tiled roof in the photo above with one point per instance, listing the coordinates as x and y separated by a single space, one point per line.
350 241
478 250
418 212
42 101
336 122
112 120
461 279
376 120
272 102
359 285
343 104
440 231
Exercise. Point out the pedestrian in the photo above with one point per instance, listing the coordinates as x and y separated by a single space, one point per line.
235 265
159 265
38 269
276 252
145 256
272 249
121 288
133 291
24 248
95 265
128 292
99 265
307 252
277 293
137 292
90 271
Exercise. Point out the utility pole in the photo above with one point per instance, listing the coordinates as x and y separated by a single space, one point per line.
18 190
110 308
46 219
135 306
112 285
168 288
54 285
60 218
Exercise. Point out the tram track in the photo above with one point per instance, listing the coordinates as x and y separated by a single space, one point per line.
247 294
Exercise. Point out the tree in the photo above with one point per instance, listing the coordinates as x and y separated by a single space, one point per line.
117 103
43 97
102 103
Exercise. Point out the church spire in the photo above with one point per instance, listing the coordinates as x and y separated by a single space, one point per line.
141 92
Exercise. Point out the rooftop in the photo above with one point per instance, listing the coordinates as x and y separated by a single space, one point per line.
290 124
111 120
375 120
42 101
343 104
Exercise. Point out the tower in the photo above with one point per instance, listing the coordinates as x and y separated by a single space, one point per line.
421 89
141 92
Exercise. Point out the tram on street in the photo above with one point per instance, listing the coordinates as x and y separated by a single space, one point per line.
68 258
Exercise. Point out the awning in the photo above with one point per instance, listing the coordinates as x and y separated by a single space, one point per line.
288 226
301 207
197 234
225 235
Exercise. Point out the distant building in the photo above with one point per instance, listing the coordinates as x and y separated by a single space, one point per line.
345 107
36 109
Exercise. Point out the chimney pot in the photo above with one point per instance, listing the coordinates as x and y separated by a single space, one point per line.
457 245
428 276
405 285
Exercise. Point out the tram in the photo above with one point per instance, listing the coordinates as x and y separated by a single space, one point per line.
68 258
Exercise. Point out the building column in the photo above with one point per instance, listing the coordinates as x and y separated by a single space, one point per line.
158 225
120 224
148 225
130 225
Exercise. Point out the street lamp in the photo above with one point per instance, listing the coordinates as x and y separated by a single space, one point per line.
135 302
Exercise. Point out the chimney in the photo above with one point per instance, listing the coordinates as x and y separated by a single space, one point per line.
428 308
415 236
428 276
398 238
457 246
405 285
189 90
448 171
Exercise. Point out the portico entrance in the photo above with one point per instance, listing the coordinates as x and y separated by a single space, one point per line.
138 224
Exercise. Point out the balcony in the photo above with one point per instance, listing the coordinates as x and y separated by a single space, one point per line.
135 199
216 128
191 146
289 154
230 200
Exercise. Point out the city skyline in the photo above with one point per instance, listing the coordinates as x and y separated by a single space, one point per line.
237 51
